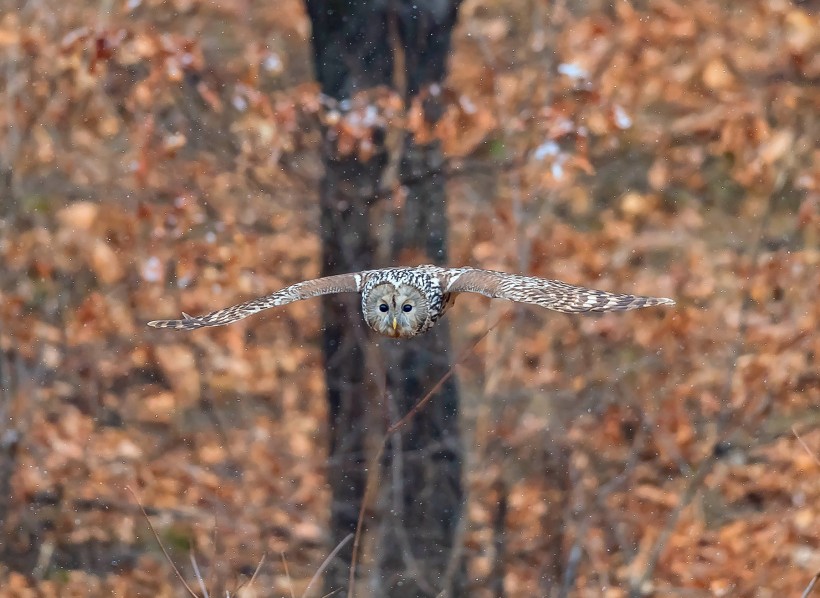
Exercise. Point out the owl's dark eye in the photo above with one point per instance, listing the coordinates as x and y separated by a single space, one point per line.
383 307
407 307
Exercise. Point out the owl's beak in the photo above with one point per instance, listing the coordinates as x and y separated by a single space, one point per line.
394 323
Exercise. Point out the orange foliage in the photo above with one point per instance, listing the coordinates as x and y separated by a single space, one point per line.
164 157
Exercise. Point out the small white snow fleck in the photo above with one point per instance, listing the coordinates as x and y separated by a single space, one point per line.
622 119
467 105
572 70
548 148
152 269
273 63
371 116
563 126
239 103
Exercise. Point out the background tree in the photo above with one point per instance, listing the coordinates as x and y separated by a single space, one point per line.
357 47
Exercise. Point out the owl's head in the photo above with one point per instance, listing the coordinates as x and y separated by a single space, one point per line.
397 311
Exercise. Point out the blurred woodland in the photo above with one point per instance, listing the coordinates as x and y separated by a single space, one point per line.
158 156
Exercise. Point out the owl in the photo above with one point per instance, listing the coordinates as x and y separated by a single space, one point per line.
406 302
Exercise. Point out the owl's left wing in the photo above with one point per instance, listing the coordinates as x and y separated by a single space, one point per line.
552 294
342 283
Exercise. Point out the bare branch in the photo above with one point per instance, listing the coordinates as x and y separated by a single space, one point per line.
165 552
325 563
371 479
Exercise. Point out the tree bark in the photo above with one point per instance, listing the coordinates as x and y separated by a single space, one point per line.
421 495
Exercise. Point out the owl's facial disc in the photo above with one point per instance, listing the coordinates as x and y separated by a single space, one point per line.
397 312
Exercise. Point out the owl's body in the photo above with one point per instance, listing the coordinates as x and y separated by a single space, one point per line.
406 302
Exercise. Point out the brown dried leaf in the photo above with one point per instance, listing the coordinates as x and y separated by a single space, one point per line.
717 76
79 216
180 368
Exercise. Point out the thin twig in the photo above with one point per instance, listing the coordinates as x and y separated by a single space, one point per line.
725 415
454 562
804 445
816 577
694 485
573 563
397 514
324 565
198 574
287 573
371 485
499 543
576 552
250 581
420 405
214 544
165 552
811 585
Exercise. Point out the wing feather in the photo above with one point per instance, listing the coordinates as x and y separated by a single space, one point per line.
342 283
552 294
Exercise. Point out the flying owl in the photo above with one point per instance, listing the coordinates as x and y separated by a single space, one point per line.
406 302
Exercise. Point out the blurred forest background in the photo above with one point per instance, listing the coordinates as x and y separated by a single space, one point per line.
165 156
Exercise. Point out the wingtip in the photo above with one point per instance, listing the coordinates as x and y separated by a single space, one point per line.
188 322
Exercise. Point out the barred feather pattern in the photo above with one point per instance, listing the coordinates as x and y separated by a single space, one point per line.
552 294
344 283
437 287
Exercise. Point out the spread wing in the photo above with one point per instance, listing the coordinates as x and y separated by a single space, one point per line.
343 283
552 294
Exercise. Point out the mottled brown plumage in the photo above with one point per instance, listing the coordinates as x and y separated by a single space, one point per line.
405 302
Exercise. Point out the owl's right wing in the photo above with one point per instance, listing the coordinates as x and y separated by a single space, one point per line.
342 283
552 294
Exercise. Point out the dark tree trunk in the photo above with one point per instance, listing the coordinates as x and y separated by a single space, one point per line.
421 497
